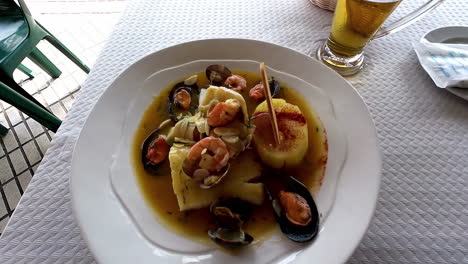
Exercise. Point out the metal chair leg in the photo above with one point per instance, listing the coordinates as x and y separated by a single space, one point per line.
44 63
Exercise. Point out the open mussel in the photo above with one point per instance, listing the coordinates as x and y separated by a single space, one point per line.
155 148
217 74
257 93
183 99
295 209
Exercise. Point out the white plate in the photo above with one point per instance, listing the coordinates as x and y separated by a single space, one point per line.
456 36
112 235
125 186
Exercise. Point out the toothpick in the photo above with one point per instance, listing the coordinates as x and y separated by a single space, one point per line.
271 110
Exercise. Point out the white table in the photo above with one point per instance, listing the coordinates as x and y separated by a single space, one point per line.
421 213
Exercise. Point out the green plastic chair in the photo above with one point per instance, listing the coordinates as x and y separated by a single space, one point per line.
19 36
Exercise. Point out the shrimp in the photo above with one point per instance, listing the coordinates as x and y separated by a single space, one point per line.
257 93
158 151
183 99
296 207
210 154
223 113
236 83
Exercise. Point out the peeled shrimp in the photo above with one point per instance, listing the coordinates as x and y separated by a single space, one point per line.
210 153
223 113
236 83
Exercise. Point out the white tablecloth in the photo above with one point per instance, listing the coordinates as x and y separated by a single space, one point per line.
422 208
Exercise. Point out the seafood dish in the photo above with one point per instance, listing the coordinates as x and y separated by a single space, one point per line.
213 167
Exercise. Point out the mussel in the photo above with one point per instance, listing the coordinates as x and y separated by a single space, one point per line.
155 148
217 74
230 238
302 227
183 98
257 93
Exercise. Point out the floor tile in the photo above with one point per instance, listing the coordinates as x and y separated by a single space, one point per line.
4 222
12 193
60 88
10 141
14 116
3 210
68 102
43 142
49 95
58 110
3 120
24 179
5 171
17 159
32 153
30 87
35 127
34 168
22 133
40 99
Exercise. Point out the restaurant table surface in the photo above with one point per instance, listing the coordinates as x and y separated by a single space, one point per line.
421 214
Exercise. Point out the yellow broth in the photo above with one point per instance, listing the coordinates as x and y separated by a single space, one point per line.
194 224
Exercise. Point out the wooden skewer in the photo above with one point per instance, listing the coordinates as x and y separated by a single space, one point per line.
271 110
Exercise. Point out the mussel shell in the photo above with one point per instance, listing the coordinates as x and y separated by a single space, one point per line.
230 238
148 165
217 74
172 107
294 232
274 87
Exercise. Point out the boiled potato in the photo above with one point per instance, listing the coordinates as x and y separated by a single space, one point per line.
292 126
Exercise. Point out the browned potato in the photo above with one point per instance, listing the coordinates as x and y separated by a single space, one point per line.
292 127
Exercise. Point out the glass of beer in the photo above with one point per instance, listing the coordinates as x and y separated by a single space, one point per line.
355 23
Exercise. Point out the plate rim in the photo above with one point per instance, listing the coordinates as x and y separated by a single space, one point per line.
144 59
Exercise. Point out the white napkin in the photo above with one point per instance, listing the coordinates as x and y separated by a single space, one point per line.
446 64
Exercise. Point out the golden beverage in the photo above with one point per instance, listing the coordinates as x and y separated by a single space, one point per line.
356 22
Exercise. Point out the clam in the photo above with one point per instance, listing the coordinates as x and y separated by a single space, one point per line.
230 238
155 148
213 179
217 74
301 225
183 99
207 179
231 213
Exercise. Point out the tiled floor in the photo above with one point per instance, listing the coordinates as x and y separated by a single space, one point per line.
83 26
